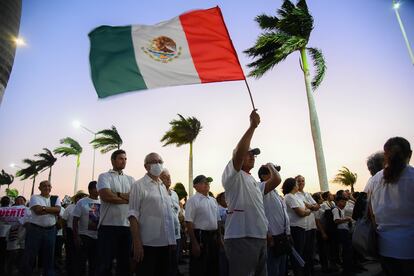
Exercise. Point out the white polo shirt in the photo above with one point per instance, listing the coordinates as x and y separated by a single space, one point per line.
275 209
42 220
393 207
114 214
87 210
340 214
68 215
175 205
310 220
150 204
292 201
246 216
202 211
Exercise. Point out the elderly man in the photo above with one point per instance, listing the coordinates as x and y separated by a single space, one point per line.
41 231
114 237
201 217
246 223
152 220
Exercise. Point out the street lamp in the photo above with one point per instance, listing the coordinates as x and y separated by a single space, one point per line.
396 6
78 124
12 165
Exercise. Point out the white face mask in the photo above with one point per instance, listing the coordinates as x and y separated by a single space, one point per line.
156 169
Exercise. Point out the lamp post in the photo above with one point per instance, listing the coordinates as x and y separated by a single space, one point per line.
12 165
77 124
396 6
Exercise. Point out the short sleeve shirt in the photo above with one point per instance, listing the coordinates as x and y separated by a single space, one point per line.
42 220
68 215
310 220
340 214
202 211
87 210
246 216
275 209
114 214
292 202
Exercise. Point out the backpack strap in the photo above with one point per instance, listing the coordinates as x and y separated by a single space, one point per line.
53 200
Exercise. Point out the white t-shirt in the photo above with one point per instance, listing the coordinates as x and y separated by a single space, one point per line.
175 205
59 232
310 220
340 214
42 220
368 187
68 215
150 204
114 214
87 210
275 209
292 201
393 207
202 211
246 216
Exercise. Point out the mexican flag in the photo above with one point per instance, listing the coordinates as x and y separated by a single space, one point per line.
194 47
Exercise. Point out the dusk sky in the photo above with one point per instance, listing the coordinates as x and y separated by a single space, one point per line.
366 97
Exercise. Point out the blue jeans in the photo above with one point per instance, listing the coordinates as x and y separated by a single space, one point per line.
276 265
38 238
114 242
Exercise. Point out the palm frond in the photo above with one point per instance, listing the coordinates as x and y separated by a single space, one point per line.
345 177
107 140
5 178
30 171
183 131
46 160
73 147
320 66
267 22
295 20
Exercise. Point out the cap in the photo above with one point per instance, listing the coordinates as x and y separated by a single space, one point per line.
78 193
201 178
255 151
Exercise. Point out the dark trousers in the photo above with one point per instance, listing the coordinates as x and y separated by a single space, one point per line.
155 262
72 257
345 241
309 252
88 251
113 242
43 240
3 246
323 248
397 267
298 236
208 262
58 254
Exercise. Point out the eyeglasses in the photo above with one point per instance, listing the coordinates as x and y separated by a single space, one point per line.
155 162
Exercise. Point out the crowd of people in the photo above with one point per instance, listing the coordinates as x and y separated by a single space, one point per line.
127 227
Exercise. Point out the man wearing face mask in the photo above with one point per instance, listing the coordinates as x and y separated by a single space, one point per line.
152 220
114 237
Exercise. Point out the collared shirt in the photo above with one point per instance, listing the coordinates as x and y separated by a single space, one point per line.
114 214
340 214
310 220
246 216
275 209
393 207
68 215
175 205
292 202
87 210
202 211
42 220
150 204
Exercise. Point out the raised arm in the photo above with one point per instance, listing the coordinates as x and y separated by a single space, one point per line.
244 143
274 179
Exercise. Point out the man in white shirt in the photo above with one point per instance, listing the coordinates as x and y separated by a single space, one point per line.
201 217
175 205
246 223
114 237
85 229
152 220
310 233
41 231
279 228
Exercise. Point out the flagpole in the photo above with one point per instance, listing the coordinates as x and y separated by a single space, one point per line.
250 93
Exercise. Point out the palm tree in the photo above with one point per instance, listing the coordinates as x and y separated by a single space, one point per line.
283 35
47 161
31 171
346 177
73 148
6 179
107 140
180 190
184 131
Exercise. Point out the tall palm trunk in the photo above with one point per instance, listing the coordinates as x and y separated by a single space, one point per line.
34 180
77 174
50 174
316 133
190 171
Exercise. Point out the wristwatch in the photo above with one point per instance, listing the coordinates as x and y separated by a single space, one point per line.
43 208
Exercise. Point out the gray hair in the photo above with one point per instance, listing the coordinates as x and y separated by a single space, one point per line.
375 162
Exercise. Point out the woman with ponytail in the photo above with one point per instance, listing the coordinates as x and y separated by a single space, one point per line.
392 202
